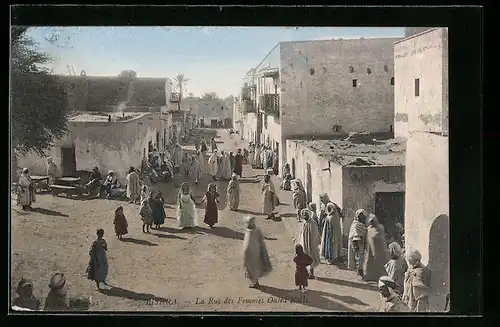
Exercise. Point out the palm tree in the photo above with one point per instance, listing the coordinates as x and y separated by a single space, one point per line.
180 82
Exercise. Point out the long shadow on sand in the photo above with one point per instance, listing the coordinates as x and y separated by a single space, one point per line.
229 233
179 231
48 212
249 212
224 232
170 236
137 241
312 298
347 283
127 294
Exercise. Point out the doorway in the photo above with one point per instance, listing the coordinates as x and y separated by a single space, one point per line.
213 123
309 186
390 209
293 168
68 161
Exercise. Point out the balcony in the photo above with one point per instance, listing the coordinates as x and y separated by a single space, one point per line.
248 106
270 104
175 97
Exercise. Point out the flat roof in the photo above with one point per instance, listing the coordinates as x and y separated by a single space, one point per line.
342 152
431 29
90 117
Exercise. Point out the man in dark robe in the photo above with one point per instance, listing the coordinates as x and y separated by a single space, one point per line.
238 163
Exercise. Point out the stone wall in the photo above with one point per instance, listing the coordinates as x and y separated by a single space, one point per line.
427 205
114 145
360 184
423 57
323 180
317 86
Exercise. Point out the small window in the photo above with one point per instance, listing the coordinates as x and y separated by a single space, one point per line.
386 69
351 69
392 80
354 83
368 71
417 87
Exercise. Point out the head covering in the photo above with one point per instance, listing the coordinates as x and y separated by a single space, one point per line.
210 185
414 255
49 159
110 172
323 197
22 284
95 169
120 208
372 219
312 206
299 249
359 212
250 222
57 281
387 281
100 231
306 214
331 207
25 170
394 250
184 185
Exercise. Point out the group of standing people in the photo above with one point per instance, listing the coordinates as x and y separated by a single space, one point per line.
263 157
222 166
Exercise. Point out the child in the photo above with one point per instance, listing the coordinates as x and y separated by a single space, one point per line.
26 298
120 223
144 193
286 185
301 260
211 210
146 215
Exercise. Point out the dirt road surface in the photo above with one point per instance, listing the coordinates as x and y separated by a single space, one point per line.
173 270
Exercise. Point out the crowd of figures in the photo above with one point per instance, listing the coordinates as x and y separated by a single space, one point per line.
404 282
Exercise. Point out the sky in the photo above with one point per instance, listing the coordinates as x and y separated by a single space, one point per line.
214 59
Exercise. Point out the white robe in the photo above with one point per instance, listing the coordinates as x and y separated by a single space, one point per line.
186 211
256 160
201 160
226 167
212 164
178 156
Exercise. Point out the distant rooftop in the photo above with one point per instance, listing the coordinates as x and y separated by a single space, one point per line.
345 153
90 117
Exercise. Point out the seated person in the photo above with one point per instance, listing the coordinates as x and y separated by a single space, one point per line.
26 299
94 181
110 182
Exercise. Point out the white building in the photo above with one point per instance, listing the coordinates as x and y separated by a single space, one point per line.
421 104
320 89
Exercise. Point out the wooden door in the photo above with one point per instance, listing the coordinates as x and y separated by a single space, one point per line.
68 161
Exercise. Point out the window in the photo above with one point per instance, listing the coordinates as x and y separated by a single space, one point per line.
417 87
368 71
354 83
351 69
392 80
386 69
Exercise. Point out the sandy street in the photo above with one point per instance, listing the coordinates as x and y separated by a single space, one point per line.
170 270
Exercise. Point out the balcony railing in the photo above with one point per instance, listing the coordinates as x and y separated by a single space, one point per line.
270 104
248 106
